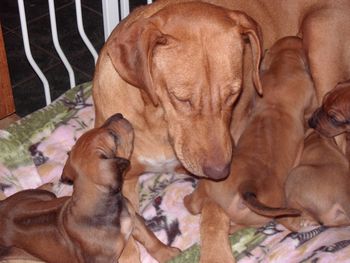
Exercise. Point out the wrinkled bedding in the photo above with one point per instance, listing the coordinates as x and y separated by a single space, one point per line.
33 152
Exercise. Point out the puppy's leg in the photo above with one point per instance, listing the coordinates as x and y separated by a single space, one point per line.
194 201
215 226
153 245
131 253
131 185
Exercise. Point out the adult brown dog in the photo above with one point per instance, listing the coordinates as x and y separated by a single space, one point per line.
320 185
174 69
187 85
265 153
96 222
333 117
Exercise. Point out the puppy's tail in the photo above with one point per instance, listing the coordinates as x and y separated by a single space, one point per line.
248 194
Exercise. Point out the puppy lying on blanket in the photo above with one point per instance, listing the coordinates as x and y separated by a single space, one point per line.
320 185
265 153
95 223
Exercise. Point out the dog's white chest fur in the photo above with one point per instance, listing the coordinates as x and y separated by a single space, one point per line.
159 164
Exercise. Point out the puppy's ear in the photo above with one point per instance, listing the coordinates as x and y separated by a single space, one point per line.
130 49
250 28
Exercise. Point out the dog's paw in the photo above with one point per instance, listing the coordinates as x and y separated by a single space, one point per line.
167 253
191 205
298 223
307 222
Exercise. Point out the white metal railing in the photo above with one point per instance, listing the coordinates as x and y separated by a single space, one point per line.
111 10
82 31
110 20
28 52
57 44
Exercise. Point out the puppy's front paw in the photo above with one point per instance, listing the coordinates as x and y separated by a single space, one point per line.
167 253
193 204
296 224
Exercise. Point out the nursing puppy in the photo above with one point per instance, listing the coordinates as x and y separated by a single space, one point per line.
265 153
320 185
95 223
333 117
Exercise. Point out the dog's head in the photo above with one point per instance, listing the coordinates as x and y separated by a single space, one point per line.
100 156
333 117
187 58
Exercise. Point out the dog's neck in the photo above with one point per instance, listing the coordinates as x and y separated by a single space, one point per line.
97 204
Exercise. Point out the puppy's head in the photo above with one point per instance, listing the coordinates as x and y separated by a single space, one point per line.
288 48
100 156
187 58
333 117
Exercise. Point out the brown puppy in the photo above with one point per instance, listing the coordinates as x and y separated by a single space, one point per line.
333 117
186 85
266 151
320 185
95 223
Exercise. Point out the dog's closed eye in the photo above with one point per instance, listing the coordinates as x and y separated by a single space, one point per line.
335 121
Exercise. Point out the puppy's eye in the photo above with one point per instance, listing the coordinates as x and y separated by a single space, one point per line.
103 156
335 121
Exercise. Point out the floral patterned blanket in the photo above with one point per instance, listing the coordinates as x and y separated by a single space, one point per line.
34 150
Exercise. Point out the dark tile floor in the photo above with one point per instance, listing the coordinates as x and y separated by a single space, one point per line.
27 87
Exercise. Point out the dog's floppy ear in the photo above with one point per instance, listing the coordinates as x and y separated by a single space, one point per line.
250 28
131 49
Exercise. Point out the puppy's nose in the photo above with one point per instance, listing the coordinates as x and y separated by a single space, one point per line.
123 163
217 172
312 122
66 180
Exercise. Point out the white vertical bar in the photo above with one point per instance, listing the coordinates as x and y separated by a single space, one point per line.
110 9
124 8
82 31
57 44
28 52
149 1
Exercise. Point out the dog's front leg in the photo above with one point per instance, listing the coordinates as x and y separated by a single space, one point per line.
161 252
214 230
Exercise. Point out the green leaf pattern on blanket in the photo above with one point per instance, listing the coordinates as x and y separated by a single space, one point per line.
15 140
242 242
